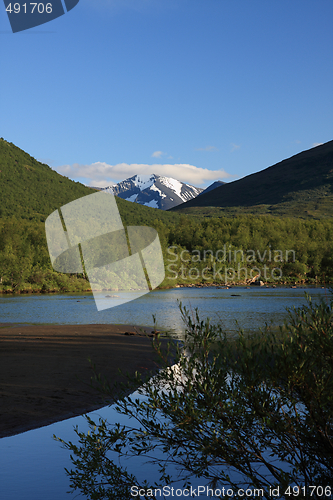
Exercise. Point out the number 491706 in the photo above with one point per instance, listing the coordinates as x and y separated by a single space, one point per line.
39 8
312 491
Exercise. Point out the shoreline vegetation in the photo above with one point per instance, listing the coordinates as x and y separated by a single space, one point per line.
291 284
221 251
251 411
73 284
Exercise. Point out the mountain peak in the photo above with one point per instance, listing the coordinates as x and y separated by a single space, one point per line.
154 190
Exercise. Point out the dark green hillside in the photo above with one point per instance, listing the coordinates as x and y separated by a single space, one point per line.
301 186
201 247
30 189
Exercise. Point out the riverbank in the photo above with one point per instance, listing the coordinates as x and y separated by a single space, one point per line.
45 375
7 290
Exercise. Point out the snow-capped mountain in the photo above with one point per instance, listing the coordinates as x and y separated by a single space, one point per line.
154 191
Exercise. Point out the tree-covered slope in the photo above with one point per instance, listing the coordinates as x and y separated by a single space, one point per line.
30 189
192 246
300 186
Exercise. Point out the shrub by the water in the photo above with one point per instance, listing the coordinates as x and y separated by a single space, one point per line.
259 406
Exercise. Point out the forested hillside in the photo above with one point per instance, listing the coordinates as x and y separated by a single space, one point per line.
300 186
197 250
30 189
224 250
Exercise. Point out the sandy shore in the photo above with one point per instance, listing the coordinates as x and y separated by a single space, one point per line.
45 375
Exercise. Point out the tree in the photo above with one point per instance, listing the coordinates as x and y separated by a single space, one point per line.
258 406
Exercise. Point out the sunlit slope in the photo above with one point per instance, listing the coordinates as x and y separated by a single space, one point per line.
300 186
32 190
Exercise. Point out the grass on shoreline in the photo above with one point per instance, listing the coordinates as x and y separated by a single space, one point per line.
77 285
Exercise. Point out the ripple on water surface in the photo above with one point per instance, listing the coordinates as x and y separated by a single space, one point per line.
250 307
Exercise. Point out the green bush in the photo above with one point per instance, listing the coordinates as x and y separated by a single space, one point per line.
261 405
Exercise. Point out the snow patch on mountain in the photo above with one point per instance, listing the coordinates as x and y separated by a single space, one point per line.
143 181
173 184
154 188
154 191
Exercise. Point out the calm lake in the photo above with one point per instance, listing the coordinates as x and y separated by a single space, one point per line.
32 464
250 307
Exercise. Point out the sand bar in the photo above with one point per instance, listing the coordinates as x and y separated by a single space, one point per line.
45 375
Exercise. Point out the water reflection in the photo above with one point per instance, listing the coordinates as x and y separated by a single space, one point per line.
252 307
32 464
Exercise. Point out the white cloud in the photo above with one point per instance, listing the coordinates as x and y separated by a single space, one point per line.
101 184
157 154
234 147
315 144
101 174
207 148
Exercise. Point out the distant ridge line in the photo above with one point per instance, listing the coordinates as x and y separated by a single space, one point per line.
303 180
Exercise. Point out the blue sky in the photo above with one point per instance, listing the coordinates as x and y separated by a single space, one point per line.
198 90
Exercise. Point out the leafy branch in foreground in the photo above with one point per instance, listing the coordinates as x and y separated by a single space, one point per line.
254 411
